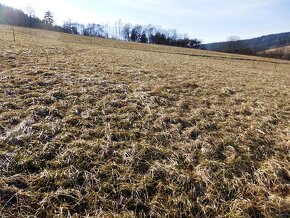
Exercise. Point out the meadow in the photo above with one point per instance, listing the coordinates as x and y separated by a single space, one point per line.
101 128
279 53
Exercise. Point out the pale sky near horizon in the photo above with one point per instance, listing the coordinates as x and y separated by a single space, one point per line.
208 20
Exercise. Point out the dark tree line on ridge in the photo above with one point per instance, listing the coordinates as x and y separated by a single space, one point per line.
135 33
256 46
15 17
234 45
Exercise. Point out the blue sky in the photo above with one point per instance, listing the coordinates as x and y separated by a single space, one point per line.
208 20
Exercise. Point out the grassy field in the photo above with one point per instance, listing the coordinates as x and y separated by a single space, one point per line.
280 52
101 128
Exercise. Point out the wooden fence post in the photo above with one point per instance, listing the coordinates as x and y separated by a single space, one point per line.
13 34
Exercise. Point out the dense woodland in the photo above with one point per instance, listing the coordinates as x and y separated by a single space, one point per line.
15 17
136 33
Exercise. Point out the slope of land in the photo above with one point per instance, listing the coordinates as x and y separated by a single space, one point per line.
281 53
286 48
256 44
101 128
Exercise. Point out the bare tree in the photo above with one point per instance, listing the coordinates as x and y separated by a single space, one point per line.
106 28
93 29
234 44
70 27
279 53
31 14
126 31
150 31
117 29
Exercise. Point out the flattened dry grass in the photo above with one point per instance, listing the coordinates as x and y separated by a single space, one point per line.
100 128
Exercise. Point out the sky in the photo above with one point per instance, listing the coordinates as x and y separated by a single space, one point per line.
207 20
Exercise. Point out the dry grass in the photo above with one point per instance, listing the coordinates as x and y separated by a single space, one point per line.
100 128
280 52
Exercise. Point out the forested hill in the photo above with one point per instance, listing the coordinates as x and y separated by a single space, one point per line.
11 16
15 17
256 44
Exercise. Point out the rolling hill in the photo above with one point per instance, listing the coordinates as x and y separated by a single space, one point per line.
256 44
280 52
100 128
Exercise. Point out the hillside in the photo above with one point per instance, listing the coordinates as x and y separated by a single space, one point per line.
285 48
280 52
256 44
100 128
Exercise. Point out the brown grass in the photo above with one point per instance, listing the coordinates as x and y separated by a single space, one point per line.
280 53
99 128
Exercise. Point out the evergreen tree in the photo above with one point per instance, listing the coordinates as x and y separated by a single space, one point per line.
48 19
144 38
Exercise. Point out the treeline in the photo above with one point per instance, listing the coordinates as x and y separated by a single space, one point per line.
135 33
233 45
15 17
270 41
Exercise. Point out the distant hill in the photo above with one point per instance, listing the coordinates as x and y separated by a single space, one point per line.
284 48
256 44
280 52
